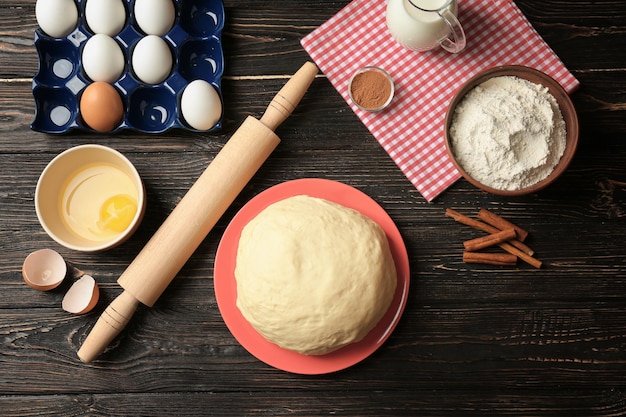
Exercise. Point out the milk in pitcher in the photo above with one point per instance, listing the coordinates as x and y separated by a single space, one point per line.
418 29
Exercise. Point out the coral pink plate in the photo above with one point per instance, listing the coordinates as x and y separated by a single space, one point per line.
226 288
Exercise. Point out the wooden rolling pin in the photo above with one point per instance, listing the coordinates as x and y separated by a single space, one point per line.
195 215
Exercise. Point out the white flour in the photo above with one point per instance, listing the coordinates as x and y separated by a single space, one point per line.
508 133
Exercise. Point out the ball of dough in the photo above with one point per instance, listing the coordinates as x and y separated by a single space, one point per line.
312 275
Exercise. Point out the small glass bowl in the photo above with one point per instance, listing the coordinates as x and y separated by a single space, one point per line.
377 70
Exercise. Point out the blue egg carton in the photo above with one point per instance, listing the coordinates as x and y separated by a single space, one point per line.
195 41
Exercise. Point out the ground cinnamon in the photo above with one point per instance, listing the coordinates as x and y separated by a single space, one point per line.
370 89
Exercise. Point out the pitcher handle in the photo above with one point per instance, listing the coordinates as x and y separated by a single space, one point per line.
455 41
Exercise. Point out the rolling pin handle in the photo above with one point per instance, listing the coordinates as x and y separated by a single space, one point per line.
286 100
109 325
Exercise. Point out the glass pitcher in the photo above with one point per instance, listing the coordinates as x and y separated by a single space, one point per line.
422 25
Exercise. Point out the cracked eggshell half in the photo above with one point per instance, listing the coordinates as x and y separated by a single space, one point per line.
82 296
44 269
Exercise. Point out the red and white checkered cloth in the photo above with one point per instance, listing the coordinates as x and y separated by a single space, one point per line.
411 130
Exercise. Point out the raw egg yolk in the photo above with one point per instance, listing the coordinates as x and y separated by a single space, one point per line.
117 213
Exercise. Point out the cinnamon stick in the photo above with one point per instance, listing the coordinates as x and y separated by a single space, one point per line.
479 243
522 255
507 246
505 259
476 224
501 223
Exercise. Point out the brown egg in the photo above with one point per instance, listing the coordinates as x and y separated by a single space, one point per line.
101 107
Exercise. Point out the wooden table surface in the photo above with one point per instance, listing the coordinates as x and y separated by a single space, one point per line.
515 341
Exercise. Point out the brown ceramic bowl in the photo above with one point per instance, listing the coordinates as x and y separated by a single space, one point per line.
565 104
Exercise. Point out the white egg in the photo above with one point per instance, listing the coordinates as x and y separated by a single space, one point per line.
152 60
103 59
57 18
155 17
105 16
200 105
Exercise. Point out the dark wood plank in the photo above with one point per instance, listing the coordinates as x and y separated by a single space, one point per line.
379 403
472 345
